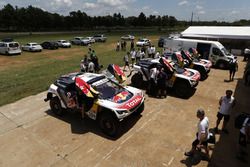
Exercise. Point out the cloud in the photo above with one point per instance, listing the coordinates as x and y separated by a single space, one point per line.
145 8
111 2
199 7
235 12
183 3
201 12
88 5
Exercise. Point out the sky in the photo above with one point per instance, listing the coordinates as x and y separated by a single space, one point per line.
203 10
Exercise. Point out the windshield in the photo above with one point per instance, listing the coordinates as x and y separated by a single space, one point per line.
225 52
107 88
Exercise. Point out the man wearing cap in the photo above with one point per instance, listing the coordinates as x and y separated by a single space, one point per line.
202 134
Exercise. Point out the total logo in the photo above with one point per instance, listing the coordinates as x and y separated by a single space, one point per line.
133 102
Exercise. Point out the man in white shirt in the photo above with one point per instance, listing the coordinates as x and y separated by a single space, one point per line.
133 56
91 67
202 134
226 104
152 83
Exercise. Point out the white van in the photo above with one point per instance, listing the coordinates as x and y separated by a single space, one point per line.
210 50
10 48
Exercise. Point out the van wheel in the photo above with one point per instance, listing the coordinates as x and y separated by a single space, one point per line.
221 65
137 80
55 106
109 124
182 89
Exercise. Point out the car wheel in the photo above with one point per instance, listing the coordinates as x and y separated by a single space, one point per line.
109 124
202 71
55 106
137 80
182 89
140 109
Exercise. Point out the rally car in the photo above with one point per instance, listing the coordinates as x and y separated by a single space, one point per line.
182 80
98 97
185 60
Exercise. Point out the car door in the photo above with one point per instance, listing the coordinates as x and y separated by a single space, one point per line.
204 49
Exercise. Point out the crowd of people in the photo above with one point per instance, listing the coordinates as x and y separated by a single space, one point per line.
90 62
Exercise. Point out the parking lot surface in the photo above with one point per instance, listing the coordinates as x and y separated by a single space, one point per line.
31 135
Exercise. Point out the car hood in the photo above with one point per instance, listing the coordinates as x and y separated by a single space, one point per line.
124 100
187 73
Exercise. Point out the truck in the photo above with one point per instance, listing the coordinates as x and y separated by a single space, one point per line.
100 38
210 50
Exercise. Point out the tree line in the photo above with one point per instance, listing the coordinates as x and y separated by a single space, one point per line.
35 19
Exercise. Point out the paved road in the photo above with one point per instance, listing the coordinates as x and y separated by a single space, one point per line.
30 135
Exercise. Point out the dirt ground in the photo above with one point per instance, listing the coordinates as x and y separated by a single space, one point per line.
30 135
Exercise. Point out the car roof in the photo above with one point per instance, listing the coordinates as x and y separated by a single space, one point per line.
91 77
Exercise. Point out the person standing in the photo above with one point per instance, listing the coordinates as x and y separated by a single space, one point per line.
226 103
152 82
132 45
202 134
118 46
161 83
91 67
244 138
133 56
138 55
126 62
233 67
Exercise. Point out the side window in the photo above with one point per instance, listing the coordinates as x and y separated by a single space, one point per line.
1 44
216 51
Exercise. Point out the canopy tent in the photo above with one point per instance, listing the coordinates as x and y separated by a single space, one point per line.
218 32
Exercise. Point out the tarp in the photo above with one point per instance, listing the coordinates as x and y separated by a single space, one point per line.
218 32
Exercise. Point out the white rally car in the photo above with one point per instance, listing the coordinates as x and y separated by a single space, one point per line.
182 80
97 96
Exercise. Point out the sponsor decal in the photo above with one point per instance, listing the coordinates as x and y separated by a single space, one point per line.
131 103
119 98
85 88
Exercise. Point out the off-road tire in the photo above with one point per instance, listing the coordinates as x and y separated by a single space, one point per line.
139 110
182 89
109 124
202 72
55 106
137 80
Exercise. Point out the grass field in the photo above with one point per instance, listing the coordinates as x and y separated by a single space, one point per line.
31 73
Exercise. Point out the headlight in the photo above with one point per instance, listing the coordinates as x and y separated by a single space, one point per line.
122 111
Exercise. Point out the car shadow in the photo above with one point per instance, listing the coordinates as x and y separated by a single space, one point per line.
170 91
85 125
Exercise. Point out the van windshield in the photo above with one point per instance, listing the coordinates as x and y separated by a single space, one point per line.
225 52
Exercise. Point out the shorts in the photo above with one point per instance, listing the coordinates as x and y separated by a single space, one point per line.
220 116
196 142
126 63
242 140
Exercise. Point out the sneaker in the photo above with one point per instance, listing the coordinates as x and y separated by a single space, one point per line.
189 154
